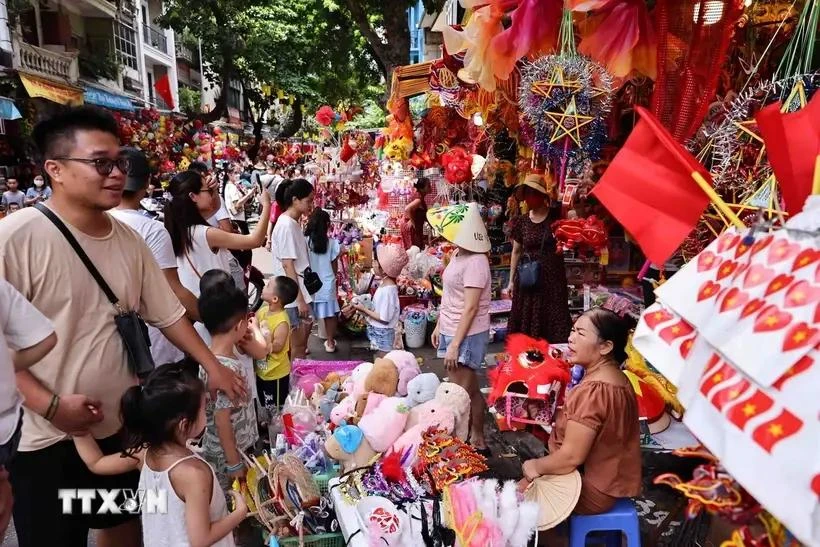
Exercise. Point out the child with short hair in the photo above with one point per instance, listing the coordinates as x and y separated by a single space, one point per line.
159 418
231 430
382 320
273 373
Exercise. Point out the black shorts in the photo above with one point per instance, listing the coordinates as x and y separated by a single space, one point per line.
9 449
38 512
272 393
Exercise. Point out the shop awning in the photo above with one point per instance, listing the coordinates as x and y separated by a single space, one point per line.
53 91
107 99
8 110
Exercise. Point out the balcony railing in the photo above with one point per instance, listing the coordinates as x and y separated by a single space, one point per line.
158 101
184 53
155 38
40 61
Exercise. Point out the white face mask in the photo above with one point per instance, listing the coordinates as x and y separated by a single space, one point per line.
39 183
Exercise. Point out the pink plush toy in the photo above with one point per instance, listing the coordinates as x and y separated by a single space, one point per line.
408 368
355 387
432 414
385 424
456 398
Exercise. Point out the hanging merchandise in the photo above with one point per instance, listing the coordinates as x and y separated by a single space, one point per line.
564 100
529 386
534 27
736 331
693 38
603 36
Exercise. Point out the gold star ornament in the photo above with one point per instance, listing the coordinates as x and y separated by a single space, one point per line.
569 123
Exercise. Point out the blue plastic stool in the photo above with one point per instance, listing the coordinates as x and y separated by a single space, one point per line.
621 518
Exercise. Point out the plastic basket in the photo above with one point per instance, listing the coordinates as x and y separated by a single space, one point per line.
324 478
319 540
415 333
303 367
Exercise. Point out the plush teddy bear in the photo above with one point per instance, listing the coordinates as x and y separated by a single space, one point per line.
329 400
408 368
421 389
354 387
385 424
364 300
430 414
456 398
380 383
358 374
349 447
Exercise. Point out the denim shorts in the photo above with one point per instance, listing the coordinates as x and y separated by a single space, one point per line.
381 339
293 317
471 352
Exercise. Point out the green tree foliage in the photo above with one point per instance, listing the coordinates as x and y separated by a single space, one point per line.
311 52
384 24
373 117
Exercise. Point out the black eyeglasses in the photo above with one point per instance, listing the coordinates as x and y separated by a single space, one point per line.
104 166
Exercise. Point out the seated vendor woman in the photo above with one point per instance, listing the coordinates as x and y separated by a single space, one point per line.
597 430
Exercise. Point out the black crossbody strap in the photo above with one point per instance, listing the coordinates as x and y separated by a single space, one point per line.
81 254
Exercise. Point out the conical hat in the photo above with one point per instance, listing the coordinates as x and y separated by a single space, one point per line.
462 225
556 496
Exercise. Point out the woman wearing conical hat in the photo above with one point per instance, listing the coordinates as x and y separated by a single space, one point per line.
463 330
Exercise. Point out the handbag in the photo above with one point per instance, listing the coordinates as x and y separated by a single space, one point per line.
313 283
530 271
131 327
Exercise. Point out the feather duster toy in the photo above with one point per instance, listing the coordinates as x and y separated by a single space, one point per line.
525 526
508 510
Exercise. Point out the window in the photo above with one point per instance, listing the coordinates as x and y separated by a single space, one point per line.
126 41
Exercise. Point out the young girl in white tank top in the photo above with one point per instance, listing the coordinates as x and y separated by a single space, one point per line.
159 418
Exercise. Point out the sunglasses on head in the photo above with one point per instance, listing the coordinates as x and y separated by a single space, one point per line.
104 166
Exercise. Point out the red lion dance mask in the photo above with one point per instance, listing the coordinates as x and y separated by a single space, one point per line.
530 385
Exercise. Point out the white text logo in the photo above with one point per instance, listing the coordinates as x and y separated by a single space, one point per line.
115 502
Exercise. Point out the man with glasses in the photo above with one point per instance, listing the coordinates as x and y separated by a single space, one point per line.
76 389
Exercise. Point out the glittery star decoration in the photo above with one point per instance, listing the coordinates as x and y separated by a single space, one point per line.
544 88
569 123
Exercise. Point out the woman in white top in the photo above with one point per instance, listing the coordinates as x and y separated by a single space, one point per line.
198 246
236 197
290 255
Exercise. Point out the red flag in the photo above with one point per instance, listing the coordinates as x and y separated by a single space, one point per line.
743 411
712 378
792 145
772 432
649 189
802 365
163 87
728 395
678 330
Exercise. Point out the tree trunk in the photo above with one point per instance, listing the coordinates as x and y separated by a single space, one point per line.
393 52
294 122
221 106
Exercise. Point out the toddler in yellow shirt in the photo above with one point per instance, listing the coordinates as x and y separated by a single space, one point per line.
273 374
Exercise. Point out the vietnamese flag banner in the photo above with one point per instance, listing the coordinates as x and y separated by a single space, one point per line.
792 146
163 87
649 188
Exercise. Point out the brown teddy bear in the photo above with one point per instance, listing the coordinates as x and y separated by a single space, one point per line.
381 382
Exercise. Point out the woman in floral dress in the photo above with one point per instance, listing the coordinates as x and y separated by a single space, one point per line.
541 311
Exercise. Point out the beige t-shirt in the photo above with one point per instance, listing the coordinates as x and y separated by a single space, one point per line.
89 357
